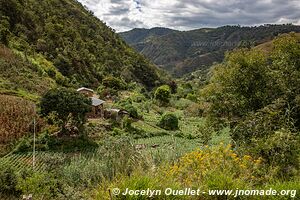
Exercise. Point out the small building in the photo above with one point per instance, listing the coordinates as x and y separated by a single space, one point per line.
86 91
97 104
116 114
97 108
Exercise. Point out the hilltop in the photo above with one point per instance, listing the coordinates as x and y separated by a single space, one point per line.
182 52
51 43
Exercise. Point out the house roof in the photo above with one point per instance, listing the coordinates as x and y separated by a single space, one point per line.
118 110
84 88
96 102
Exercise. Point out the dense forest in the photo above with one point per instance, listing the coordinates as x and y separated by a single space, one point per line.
182 52
60 42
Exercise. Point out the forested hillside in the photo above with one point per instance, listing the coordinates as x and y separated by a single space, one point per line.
59 42
139 36
182 52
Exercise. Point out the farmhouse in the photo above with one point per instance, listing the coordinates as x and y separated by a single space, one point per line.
97 104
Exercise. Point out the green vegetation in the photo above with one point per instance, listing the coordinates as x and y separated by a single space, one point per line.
63 105
163 94
169 121
248 91
236 128
66 46
183 52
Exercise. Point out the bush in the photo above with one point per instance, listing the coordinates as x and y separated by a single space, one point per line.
8 181
41 185
163 94
215 168
169 121
132 110
280 150
192 97
139 181
181 103
271 134
114 83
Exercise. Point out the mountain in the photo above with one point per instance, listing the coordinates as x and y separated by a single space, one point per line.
139 36
182 52
58 42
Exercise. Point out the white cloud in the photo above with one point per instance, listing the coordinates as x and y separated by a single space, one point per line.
189 14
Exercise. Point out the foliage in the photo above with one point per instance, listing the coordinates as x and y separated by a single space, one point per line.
241 86
41 185
169 121
105 93
255 92
133 112
16 117
248 81
8 181
114 83
78 44
203 166
66 102
192 97
193 110
163 94
194 50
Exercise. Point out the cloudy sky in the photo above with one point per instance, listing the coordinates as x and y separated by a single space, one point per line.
124 15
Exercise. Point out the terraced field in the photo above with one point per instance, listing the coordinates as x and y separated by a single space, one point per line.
23 161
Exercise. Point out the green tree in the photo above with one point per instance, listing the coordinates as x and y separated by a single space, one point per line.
163 94
65 102
169 121
240 85
114 83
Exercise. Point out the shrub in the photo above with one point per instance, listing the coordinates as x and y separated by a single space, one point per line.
163 94
192 97
280 150
169 121
8 181
271 134
202 167
138 181
114 83
41 185
132 110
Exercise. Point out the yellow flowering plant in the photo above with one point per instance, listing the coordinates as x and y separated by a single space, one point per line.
196 167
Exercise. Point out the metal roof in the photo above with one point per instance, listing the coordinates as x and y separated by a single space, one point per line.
84 88
96 102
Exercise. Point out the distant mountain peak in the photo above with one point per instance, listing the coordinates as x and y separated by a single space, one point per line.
182 52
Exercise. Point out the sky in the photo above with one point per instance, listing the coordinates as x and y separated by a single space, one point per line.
123 15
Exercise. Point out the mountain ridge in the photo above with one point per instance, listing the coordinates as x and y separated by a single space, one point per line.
182 52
